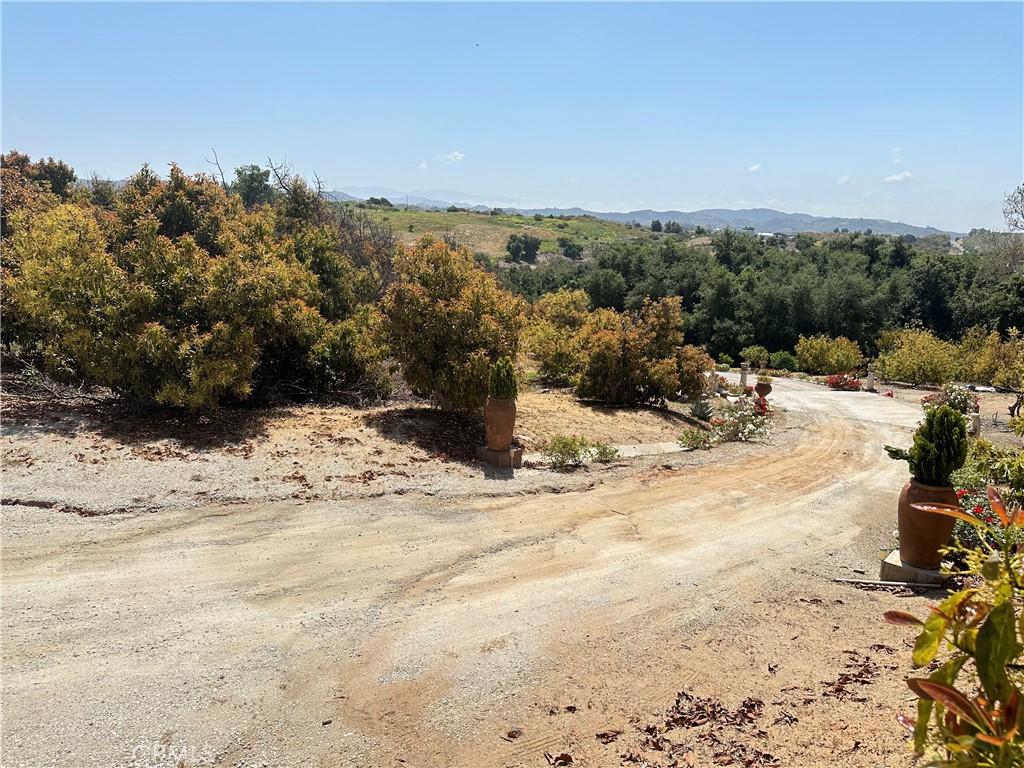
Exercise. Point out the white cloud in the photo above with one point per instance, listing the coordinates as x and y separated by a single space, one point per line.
896 155
422 166
754 168
899 177
451 157
844 179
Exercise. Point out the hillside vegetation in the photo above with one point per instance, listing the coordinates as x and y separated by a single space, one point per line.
487 232
189 293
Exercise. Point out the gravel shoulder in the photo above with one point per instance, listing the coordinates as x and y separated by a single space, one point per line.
447 618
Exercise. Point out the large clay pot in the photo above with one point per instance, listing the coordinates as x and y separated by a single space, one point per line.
762 388
922 534
499 423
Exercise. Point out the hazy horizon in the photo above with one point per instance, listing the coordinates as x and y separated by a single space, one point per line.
909 112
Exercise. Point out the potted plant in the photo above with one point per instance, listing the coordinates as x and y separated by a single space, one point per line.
500 410
939 450
764 384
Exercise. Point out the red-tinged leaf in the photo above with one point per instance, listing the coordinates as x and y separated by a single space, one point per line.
994 740
996 500
902 618
1011 709
951 699
950 511
906 722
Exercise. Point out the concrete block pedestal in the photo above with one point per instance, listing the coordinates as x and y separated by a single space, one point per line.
894 569
512 458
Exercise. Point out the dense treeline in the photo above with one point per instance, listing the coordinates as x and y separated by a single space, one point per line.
741 290
191 291
176 292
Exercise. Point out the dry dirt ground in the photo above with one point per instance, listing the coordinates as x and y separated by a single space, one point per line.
383 601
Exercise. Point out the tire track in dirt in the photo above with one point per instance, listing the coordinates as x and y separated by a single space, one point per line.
423 631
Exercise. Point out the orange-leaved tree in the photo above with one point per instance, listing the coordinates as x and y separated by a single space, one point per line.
446 321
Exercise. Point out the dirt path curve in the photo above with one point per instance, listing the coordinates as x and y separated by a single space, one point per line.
417 631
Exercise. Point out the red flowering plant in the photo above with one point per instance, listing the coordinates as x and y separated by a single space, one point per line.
845 382
974 501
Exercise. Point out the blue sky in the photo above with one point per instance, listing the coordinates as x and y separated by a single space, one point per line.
910 112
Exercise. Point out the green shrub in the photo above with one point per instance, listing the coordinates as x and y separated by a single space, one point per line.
725 360
633 357
446 320
502 384
553 335
602 452
783 361
1002 467
940 447
754 354
695 440
916 357
693 365
180 297
563 451
824 355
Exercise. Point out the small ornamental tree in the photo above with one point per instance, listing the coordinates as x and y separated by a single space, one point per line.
447 320
940 447
502 383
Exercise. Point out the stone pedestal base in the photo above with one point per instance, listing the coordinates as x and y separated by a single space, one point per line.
894 569
512 458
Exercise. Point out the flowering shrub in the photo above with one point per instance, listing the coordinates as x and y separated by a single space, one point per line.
695 440
845 382
742 422
956 397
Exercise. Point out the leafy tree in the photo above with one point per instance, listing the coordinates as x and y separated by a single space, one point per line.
637 358
570 248
673 227
655 226
523 247
606 289
252 184
182 298
447 321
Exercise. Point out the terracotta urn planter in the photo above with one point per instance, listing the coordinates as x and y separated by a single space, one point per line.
499 423
922 534
763 388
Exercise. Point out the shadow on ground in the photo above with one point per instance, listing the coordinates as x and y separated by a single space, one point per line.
446 435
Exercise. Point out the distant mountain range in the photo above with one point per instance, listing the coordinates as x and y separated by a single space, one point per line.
761 219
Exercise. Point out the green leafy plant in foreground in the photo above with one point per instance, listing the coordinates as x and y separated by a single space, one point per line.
969 709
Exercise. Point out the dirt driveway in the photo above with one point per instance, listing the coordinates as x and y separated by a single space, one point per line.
427 631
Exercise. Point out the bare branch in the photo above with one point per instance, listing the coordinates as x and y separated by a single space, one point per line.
216 162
